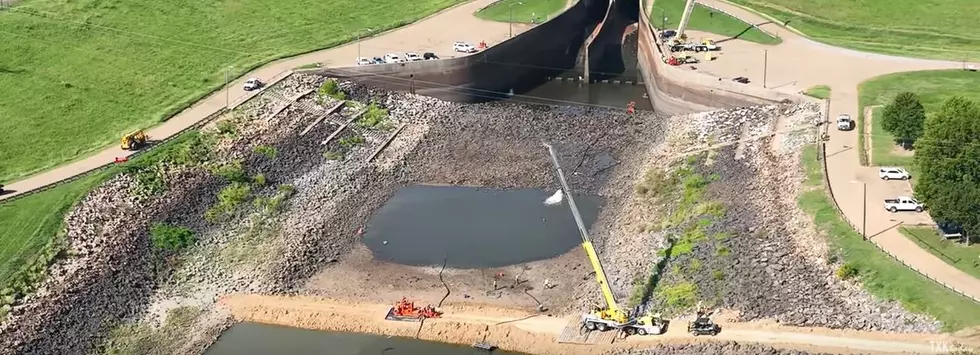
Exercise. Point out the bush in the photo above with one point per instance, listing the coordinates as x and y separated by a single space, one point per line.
680 296
375 117
266 150
171 238
331 88
195 150
149 181
233 172
847 271
229 198
259 180
227 128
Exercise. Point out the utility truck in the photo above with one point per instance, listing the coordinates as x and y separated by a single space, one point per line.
610 316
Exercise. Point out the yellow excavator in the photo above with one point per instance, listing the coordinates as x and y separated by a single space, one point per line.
134 141
611 316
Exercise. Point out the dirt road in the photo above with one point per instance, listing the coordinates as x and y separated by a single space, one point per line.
518 330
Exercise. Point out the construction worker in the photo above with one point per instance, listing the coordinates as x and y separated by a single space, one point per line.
630 108
494 285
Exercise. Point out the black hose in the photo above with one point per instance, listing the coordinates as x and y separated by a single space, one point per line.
444 261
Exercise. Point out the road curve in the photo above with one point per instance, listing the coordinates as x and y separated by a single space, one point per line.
426 35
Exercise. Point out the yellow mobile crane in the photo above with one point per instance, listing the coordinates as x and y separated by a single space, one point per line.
612 316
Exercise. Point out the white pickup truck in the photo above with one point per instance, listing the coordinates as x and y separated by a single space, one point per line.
903 203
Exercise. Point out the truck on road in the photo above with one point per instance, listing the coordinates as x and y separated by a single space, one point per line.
903 203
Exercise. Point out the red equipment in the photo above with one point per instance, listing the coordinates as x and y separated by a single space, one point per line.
673 61
631 107
405 310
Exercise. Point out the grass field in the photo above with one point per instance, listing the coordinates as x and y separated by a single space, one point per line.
523 11
957 254
819 91
29 223
881 275
707 20
77 74
943 29
933 87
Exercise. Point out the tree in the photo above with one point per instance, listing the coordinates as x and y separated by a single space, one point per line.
904 118
948 162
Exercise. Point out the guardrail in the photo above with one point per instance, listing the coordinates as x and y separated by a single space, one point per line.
822 155
234 104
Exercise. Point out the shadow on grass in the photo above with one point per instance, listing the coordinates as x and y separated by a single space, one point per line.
746 30
653 280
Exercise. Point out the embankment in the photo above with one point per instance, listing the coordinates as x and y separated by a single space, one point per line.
518 64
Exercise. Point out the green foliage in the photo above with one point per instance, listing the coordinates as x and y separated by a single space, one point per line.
351 141
266 150
819 91
904 118
259 179
196 149
528 11
149 181
227 128
142 339
332 155
229 198
375 118
656 183
233 171
948 164
331 88
680 296
880 274
708 20
847 271
170 237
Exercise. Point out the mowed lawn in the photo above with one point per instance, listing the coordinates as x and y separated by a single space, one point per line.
953 252
707 20
943 29
75 75
27 224
932 86
522 11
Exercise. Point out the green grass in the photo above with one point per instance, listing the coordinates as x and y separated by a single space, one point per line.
944 29
707 20
932 86
27 224
528 11
78 74
819 91
955 253
881 275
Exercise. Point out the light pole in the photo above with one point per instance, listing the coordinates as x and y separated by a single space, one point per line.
359 42
864 207
511 7
765 66
227 88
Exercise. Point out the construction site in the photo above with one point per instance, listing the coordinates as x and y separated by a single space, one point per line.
505 224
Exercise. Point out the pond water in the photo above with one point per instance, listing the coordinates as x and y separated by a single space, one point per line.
474 227
263 339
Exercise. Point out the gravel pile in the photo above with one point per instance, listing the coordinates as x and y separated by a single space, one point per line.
776 266
717 348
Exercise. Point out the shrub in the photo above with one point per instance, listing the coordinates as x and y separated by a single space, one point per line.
332 89
171 238
680 296
259 180
847 271
229 198
227 128
233 172
195 150
266 150
374 117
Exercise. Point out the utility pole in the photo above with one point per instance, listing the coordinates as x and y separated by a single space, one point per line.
765 66
359 42
511 7
227 88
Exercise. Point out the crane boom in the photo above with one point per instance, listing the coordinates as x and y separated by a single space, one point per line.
612 311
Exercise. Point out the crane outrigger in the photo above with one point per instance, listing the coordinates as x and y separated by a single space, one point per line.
612 316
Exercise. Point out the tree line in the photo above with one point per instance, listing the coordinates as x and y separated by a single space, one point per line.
947 155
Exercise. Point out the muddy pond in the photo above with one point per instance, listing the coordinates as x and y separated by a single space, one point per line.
474 227
262 339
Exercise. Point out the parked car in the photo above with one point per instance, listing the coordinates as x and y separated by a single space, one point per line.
463 47
429 56
741 79
903 203
668 34
703 326
949 230
893 173
412 57
844 122
393 58
378 60
252 84
363 61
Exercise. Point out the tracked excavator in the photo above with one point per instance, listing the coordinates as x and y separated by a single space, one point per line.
610 316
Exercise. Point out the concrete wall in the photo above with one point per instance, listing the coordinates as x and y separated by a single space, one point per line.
685 85
606 58
519 64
